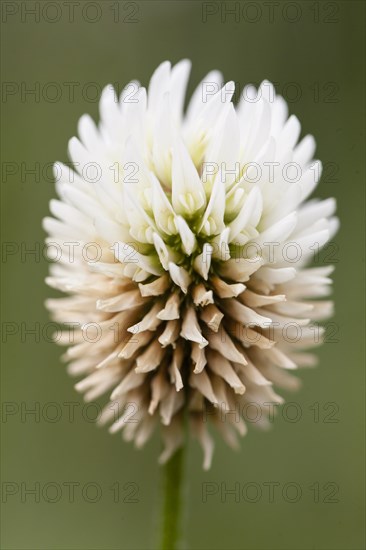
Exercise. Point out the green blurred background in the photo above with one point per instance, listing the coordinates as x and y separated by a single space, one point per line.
314 52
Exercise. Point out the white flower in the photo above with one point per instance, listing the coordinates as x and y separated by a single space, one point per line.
185 240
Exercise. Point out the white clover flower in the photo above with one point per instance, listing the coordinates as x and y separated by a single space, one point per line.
185 241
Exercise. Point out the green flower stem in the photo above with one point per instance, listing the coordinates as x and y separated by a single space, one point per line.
172 500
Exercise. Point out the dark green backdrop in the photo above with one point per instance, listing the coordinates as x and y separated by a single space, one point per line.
314 52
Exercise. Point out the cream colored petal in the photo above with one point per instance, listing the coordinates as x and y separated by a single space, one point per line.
222 367
175 367
121 302
243 314
199 357
127 254
275 276
145 430
111 358
171 310
250 373
131 380
170 334
170 405
281 378
252 299
199 428
201 382
212 316
201 296
156 288
149 322
159 389
240 269
221 341
190 328
150 359
135 342
279 358
225 290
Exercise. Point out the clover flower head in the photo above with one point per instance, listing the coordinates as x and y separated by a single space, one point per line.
192 238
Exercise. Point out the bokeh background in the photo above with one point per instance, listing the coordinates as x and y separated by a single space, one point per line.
314 52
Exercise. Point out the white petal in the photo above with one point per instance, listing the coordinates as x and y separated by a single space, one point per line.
188 195
189 242
252 206
202 262
180 276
